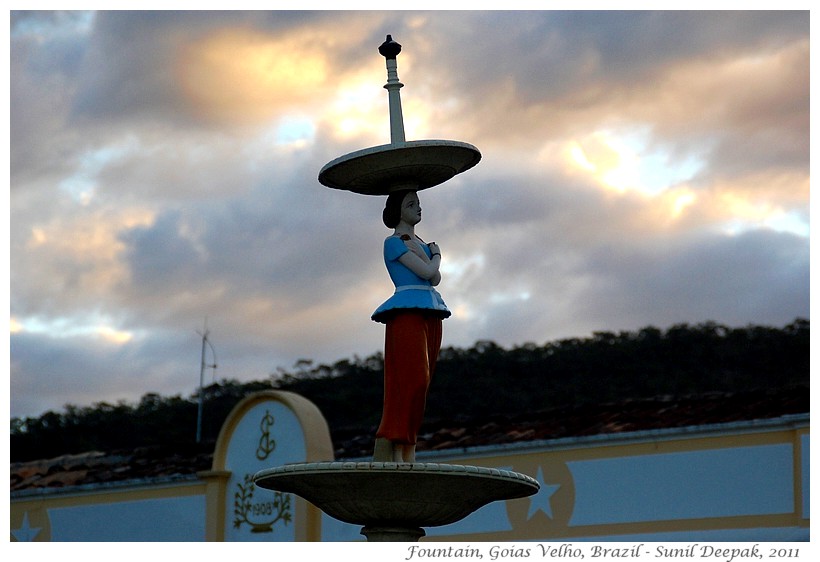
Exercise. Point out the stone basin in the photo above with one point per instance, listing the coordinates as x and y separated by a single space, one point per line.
399 496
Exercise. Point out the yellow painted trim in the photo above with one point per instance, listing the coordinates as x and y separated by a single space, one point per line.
799 454
216 485
596 451
115 495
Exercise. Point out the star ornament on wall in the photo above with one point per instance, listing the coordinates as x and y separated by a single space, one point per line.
542 500
25 533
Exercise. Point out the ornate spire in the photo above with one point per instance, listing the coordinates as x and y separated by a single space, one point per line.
390 50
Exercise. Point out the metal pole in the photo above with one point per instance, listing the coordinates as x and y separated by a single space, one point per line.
201 374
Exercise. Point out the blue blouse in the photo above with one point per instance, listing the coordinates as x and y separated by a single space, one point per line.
412 292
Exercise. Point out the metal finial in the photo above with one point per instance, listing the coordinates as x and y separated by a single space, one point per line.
389 49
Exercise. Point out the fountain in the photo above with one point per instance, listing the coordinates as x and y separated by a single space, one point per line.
395 501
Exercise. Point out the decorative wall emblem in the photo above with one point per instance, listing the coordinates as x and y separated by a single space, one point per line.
550 510
33 527
266 443
261 516
268 433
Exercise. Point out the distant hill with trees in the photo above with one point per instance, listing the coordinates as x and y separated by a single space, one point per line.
485 380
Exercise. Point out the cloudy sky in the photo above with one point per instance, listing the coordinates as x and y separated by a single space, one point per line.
637 169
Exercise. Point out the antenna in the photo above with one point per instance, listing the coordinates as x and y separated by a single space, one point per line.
202 367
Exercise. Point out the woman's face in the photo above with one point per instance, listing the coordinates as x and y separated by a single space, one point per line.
411 209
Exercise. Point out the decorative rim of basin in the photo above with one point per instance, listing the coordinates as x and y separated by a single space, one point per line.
400 494
415 165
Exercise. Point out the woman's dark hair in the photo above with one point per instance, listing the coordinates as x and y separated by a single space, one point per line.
392 208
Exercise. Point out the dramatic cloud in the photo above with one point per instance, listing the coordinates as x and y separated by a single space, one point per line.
639 168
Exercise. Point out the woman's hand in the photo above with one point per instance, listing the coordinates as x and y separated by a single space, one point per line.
435 251
417 261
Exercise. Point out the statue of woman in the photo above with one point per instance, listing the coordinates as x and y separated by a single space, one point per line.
413 318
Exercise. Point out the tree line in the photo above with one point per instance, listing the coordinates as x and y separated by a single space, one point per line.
483 380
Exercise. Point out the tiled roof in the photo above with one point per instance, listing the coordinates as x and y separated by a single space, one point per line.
627 416
95 467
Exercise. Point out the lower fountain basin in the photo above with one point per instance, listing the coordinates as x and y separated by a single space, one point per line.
377 494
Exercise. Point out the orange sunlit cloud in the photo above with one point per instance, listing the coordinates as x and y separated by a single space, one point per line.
753 202
112 335
358 109
612 165
746 93
93 241
61 327
242 75
616 166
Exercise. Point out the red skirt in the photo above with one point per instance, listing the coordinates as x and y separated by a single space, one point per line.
411 347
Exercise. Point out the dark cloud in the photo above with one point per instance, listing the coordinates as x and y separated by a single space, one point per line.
83 368
726 279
